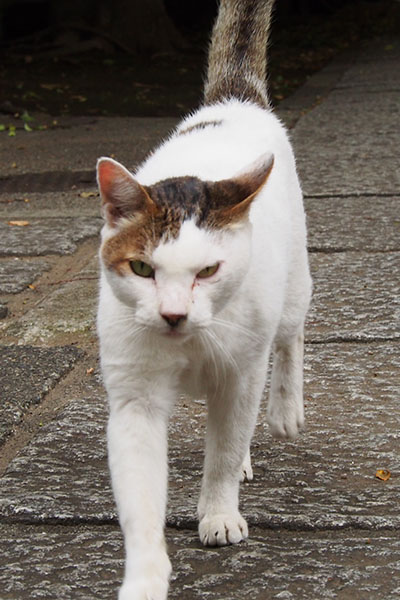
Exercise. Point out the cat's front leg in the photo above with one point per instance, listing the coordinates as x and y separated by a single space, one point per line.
231 421
137 446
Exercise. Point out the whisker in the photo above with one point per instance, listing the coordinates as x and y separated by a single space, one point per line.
239 328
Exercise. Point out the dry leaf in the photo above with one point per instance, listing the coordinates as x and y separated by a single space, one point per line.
383 474
18 223
89 371
32 287
87 194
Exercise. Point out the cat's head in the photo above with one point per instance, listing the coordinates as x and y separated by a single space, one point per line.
177 251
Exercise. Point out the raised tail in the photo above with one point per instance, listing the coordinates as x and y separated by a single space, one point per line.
237 57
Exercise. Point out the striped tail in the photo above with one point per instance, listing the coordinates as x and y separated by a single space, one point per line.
237 57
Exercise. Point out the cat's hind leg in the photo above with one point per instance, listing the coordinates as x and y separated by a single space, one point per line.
247 470
285 408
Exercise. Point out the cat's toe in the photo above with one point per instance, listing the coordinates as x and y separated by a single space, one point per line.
222 529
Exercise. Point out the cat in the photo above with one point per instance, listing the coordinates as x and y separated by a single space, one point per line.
204 272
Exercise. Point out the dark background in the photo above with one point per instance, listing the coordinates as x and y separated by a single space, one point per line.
147 57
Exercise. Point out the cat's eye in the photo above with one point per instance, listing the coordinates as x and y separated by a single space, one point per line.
208 271
141 268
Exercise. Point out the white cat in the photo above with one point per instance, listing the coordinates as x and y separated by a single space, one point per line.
204 271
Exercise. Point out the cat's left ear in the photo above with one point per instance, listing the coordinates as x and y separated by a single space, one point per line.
236 195
121 194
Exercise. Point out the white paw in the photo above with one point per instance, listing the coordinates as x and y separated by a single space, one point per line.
222 529
149 581
285 419
246 472
144 589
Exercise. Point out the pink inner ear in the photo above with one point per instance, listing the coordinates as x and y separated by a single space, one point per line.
107 172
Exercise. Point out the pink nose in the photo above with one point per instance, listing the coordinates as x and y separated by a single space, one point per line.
173 320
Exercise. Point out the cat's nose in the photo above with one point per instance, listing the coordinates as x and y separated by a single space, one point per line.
173 320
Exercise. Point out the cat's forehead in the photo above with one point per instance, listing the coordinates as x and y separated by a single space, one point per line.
190 250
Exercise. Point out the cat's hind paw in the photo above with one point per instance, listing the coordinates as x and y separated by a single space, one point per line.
285 422
222 529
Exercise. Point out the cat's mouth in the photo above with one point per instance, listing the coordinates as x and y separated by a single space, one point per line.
175 334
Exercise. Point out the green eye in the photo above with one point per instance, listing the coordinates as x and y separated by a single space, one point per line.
141 268
208 271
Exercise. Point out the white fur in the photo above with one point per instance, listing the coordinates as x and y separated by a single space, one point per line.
257 300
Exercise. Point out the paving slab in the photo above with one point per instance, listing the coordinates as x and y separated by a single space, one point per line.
324 480
79 144
363 223
86 563
26 376
355 296
73 203
66 311
16 274
345 146
47 236
376 69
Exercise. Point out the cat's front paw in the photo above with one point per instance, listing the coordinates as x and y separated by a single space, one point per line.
286 421
144 589
222 529
149 581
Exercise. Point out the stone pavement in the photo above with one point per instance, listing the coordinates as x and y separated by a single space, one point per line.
321 524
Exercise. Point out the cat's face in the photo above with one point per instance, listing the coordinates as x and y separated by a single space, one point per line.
178 251
180 286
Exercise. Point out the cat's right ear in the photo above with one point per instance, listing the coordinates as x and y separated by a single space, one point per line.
121 195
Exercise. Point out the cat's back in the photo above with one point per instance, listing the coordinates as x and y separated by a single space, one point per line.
217 142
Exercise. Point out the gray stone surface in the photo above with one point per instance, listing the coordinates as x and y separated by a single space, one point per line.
51 204
85 563
26 376
16 274
66 311
50 236
376 70
346 145
363 223
84 139
356 296
352 418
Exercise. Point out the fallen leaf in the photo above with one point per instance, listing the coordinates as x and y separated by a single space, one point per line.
383 474
87 194
90 371
18 223
49 86
79 98
31 286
